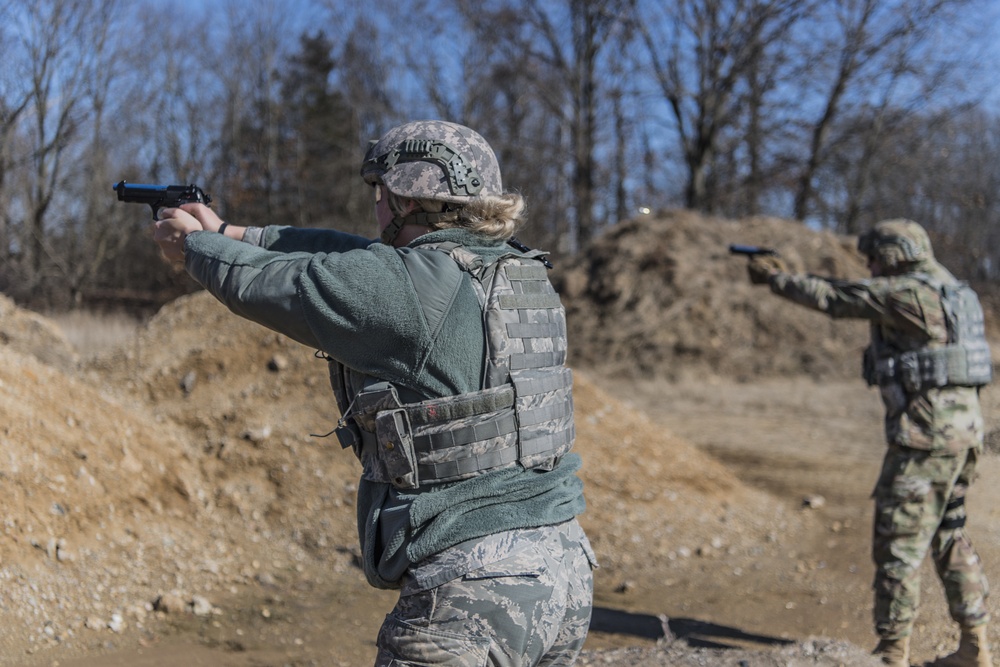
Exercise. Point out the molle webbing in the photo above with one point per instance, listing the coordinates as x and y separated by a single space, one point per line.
461 406
524 412
527 329
447 450
447 439
965 359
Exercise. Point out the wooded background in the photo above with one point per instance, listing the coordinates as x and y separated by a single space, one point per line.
836 113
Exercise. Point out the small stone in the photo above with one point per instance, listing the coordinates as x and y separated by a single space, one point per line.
257 435
169 603
814 501
201 606
277 363
188 382
117 623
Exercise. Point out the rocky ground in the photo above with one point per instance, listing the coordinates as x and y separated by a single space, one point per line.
166 502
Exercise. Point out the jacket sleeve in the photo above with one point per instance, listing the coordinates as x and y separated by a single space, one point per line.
252 282
357 306
899 303
296 239
837 298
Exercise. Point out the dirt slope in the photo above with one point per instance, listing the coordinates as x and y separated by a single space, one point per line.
663 297
32 334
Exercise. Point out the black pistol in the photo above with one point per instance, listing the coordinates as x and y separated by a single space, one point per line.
751 251
160 196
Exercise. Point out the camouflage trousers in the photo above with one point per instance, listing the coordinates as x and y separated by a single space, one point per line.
530 608
920 507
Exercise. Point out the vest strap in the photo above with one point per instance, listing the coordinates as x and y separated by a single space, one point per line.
534 329
461 406
548 442
534 360
466 435
529 301
460 468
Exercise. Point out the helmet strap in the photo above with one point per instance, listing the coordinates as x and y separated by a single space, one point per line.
421 218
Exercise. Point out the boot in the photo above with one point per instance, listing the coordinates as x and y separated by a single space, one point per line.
894 652
973 650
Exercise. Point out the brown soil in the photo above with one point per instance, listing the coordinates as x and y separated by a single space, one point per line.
166 504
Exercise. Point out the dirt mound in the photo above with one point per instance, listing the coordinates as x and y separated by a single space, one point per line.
76 464
650 492
178 465
103 508
663 297
255 405
28 333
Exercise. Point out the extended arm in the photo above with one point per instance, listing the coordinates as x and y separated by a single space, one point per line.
836 298
356 306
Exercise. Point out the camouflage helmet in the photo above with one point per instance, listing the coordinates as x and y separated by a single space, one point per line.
433 159
896 242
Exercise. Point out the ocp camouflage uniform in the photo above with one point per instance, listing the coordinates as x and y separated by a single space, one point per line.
934 436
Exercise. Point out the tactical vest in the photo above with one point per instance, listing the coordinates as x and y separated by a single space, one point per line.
963 361
523 414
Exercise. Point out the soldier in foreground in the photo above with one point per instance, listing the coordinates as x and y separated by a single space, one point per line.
929 356
446 344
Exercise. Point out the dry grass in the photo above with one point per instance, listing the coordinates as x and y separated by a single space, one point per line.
91 333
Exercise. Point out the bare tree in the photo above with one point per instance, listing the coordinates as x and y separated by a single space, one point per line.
561 50
246 66
176 100
526 74
872 54
702 54
54 40
941 170
14 100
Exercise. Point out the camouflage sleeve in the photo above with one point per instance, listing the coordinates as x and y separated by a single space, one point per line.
837 298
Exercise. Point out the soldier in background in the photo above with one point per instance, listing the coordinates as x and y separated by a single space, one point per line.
446 344
928 356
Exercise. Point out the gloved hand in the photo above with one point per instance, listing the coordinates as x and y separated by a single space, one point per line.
762 267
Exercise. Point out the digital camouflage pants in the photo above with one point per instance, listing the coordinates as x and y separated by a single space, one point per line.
920 508
532 608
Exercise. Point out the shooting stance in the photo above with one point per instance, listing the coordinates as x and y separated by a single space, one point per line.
446 345
928 356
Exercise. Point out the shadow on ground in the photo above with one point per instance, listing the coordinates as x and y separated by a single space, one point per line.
696 633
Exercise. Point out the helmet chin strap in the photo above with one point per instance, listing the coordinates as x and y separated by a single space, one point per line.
392 230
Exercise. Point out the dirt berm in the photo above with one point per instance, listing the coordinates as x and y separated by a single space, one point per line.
663 297
168 503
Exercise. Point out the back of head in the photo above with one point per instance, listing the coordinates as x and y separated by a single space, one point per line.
898 245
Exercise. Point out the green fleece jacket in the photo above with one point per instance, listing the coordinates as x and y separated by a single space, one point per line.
353 299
